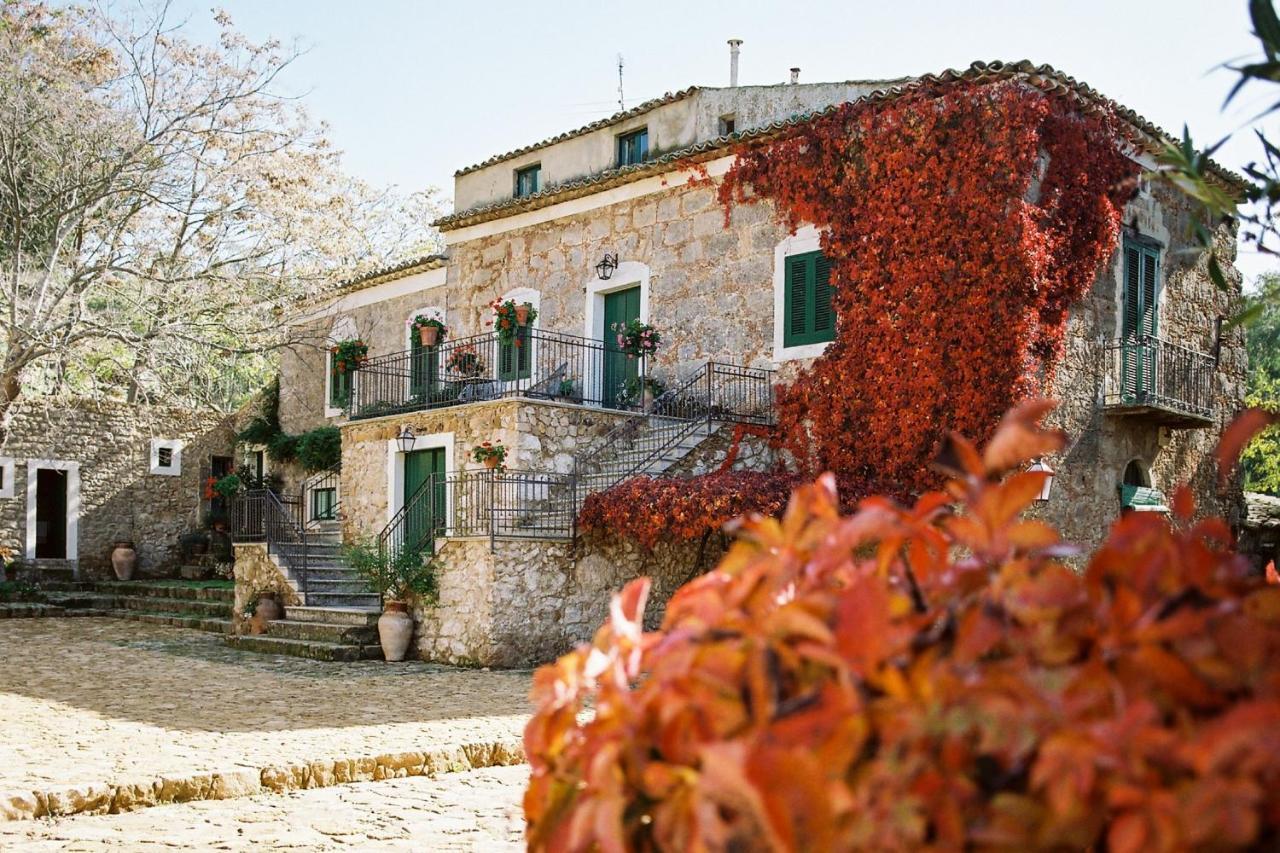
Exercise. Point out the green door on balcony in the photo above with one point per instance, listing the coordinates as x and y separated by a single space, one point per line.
427 512
424 370
621 307
1139 311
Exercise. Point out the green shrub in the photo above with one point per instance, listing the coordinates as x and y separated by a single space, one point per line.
283 447
394 577
320 448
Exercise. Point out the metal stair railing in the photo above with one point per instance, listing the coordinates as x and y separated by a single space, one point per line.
260 516
716 392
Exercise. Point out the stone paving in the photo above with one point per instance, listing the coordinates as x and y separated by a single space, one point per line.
101 715
476 810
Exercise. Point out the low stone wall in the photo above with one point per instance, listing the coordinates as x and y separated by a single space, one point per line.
527 602
255 572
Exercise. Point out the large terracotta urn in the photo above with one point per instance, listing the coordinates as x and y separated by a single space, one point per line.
522 314
429 336
395 630
124 559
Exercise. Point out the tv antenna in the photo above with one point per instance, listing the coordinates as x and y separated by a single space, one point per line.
621 103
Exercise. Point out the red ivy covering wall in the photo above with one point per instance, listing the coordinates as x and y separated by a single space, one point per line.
962 223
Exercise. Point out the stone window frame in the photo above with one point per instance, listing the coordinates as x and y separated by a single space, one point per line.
73 505
8 475
343 328
395 468
174 446
806 239
627 275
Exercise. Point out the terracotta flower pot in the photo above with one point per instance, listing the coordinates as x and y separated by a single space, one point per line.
268 609
395 630
124 558
428 336
491 461
522 314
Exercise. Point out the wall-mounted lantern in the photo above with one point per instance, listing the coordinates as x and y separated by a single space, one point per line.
604 269
405 439
1041 466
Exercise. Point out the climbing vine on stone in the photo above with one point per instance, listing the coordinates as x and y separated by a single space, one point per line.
962 221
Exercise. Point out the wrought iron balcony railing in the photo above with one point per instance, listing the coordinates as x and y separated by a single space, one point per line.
547 365
1167 382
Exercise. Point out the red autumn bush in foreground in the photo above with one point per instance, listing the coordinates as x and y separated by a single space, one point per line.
930 676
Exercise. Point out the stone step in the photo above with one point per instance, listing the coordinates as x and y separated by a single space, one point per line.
332 573
79 599
348 585
304 648
345 599
360 616
189 606
174 620
29 609
168 589
324 632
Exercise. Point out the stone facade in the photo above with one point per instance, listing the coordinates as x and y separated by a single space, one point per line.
710 283
523 603
539 436
119 497
1085 496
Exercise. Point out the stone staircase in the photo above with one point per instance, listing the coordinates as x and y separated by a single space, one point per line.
338 620
318 633
199 605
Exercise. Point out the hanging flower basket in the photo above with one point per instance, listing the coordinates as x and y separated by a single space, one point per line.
349 355
637 339
430 330
509 318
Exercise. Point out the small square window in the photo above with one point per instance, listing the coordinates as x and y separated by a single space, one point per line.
728 124
633 147
166 457
528 180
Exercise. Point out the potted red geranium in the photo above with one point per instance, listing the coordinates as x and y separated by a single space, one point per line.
491 454
430 330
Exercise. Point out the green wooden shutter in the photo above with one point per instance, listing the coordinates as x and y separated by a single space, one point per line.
513 360
1150 291
808 315
1140 309
339 385
824 318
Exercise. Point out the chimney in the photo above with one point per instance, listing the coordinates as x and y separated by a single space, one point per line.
795 76
734 44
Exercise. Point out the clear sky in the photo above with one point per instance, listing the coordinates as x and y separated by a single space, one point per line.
415 90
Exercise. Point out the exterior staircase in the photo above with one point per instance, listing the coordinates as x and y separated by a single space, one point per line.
199 605
318 633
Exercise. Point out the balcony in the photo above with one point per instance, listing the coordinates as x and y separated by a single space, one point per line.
1160 381
545 365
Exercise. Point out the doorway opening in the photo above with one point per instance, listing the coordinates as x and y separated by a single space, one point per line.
51 514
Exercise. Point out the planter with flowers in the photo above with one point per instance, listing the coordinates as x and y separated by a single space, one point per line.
430 330
464 361
492 455
349 355
637 339
509 317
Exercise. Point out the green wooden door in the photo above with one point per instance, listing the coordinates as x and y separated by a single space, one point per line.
426 510
620 307
1139 313
424 370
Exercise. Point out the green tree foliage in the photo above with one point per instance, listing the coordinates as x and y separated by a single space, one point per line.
1261 461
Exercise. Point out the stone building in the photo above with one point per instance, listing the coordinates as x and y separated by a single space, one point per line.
619 221
77 474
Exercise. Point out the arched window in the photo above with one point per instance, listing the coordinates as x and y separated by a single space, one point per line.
1135 474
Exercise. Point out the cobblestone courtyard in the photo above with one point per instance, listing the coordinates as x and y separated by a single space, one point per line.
100 715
